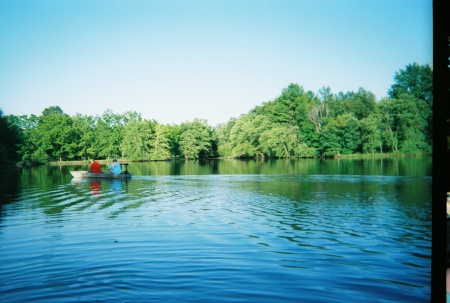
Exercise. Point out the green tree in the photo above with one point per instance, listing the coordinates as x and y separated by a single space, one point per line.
416 80
389 124
195 139
413 119
55 136
371 135
405 124
135 144
290 107
361 104
245 135
27 126
279 141
160 144
222 136
10 139
348 127
317 115
308 133
283 141
341 135
110 132
330 141
85 127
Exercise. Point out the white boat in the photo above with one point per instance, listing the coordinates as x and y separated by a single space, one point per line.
80 174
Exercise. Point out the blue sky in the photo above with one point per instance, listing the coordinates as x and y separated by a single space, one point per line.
176 60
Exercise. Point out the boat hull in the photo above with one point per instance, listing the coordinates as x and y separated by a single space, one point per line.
86 174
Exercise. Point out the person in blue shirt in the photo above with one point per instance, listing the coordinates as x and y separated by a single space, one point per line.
114 168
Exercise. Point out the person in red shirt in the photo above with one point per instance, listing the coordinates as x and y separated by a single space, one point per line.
95 167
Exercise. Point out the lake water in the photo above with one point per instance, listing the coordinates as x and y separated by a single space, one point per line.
220 231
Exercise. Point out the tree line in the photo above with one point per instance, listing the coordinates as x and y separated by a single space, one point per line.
297 123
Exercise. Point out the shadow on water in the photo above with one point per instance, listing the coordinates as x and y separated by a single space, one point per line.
9 186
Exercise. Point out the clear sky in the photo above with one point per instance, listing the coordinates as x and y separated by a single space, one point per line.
176 60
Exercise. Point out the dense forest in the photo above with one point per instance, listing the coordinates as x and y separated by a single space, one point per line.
297 123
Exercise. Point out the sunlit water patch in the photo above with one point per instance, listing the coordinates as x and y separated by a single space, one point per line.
219 238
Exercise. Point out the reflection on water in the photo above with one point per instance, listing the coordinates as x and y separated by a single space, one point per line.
96 186
414 166
222 238
114 185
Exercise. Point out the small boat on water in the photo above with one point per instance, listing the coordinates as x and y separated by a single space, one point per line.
79 174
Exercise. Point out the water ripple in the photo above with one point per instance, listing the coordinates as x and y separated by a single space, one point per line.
269 238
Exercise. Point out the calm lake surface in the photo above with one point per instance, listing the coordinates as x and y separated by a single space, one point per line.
220 231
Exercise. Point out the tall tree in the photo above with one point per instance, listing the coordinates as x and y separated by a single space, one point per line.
340 135
245 135
27 126
361 104
222 136
160 144
317 115
85 126
279 141
330 141
135 144
283 141
349 131
416 80
290 107
371 135
389 123
405 124
55 137
173 132
195 139
10 139
110 132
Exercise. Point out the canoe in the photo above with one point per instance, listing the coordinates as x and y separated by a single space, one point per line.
79 174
